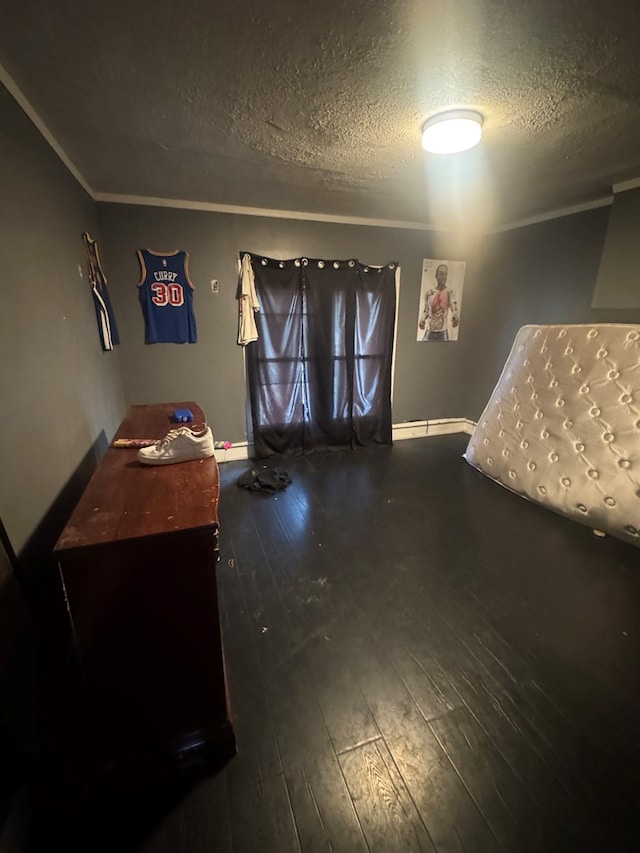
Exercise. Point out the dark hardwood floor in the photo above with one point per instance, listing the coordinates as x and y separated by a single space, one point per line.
417 660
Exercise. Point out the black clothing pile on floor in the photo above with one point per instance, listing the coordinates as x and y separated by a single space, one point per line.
265 480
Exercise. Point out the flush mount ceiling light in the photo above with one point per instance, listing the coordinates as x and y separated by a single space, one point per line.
451 132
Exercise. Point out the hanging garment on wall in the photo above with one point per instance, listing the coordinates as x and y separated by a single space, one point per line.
107 328
166 297
247 303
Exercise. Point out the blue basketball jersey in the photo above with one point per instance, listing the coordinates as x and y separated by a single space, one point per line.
107 328
166 297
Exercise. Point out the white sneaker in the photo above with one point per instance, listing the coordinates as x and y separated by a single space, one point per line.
179 445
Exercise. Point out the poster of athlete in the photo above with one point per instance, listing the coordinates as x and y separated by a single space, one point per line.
440 300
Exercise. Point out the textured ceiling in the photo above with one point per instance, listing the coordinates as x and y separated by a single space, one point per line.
317 106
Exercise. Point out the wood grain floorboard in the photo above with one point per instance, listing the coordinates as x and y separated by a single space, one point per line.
387 813
497 792
451 817
318 787
416 660
262 819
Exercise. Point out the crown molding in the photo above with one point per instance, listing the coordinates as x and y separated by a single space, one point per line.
604 201
623 186
12 87
270 213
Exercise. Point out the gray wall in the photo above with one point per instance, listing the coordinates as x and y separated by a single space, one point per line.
211 371
61 394
543 273
59 390
617 285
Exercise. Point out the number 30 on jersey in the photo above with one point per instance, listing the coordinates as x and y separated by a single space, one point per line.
167 294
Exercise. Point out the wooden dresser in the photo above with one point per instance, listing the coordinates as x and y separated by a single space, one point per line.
138 565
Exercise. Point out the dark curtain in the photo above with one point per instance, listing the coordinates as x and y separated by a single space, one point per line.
320 372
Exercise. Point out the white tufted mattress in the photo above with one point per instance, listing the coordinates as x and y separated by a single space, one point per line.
562 427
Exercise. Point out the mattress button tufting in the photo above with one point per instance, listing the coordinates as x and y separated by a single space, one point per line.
579 447
532 466
565 481
553 457
593 474
542 490
633 336
626 398
592 333
631 529
581 507
602 353
524 444
613 374
584 389
609 501
608 437
595 412
624 463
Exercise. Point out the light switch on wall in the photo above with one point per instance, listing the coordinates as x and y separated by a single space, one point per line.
215 285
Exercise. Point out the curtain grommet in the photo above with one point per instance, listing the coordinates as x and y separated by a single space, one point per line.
297 262
305 262
321 265
352 263
264 262
336 265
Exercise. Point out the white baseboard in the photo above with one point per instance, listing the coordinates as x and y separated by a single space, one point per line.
437 426
239 450
410 429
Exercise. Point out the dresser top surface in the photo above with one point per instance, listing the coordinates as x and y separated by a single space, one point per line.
128 500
